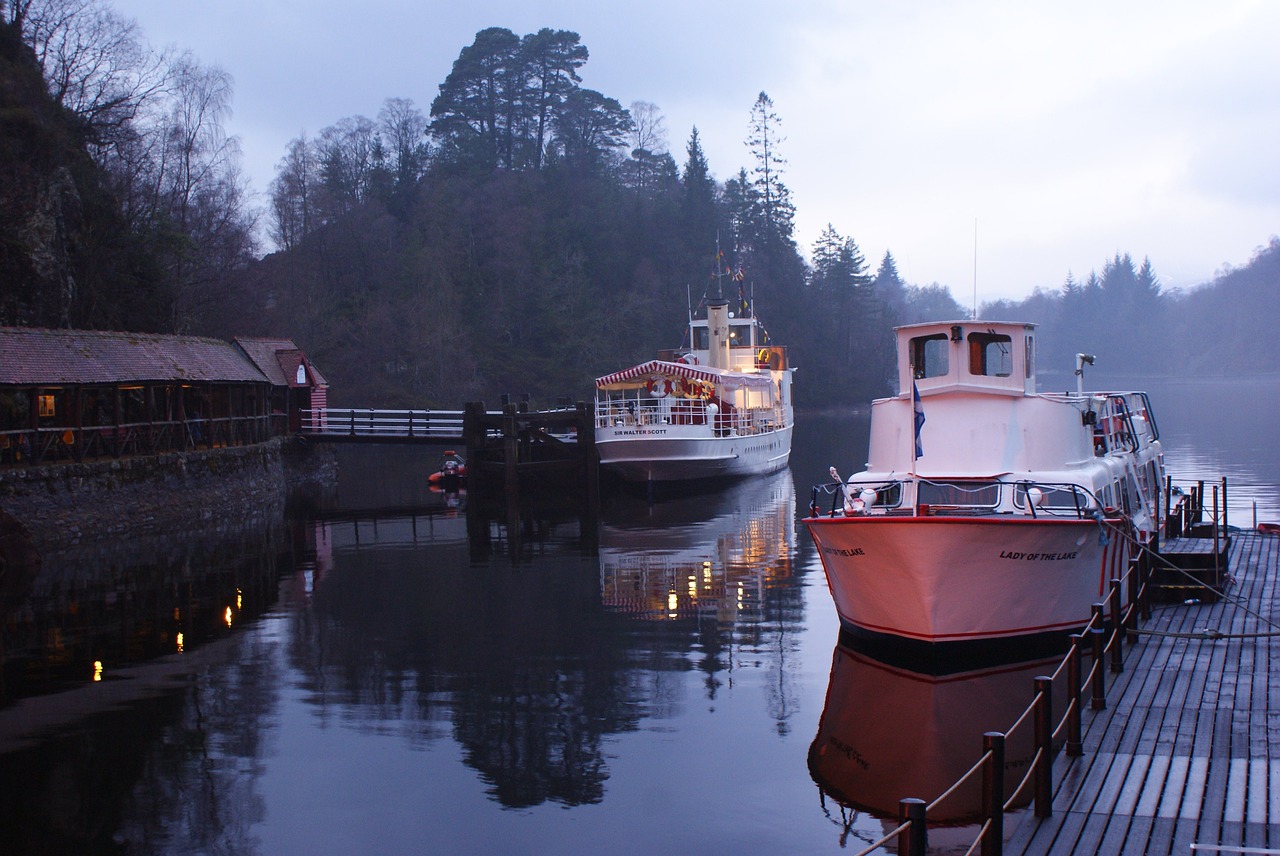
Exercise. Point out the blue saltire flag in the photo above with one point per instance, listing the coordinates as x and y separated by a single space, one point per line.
919 411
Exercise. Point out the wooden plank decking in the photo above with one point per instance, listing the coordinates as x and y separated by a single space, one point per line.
1188 750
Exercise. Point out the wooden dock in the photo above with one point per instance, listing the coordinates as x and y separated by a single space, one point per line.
1186 757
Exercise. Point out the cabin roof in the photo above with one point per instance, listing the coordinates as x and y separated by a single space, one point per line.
278 359
34 356
968 323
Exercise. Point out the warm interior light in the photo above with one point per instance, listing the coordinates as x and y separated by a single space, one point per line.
97 670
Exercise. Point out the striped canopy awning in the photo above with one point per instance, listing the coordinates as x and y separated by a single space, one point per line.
660 367
680 370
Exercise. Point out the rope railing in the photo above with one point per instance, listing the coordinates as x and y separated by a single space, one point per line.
876 845
958 782
1031 769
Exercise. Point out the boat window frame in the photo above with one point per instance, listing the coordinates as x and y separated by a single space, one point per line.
926 361
980 353
959 491
1067 492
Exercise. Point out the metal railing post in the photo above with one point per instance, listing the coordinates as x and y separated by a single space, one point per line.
1044 746
915 840
993 793
1075 747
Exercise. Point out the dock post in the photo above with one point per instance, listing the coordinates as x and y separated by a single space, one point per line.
1226 525
590 464
1131 618
1098 694
1117 627
1074 746
1044 746
915 841
993 793
473 430
510 452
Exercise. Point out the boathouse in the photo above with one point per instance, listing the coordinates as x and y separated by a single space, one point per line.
76 394
296 384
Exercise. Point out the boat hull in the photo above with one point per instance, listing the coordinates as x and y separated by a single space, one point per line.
939 581
660 454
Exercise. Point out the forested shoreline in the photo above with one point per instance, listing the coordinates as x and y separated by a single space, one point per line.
522 235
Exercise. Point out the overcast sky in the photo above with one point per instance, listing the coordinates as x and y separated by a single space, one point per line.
1050 135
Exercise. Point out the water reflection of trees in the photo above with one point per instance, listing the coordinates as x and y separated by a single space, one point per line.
523 666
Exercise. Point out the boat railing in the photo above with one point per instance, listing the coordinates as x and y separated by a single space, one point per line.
855 497
1109 629
641 412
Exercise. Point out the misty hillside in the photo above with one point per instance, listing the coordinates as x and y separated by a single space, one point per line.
522 237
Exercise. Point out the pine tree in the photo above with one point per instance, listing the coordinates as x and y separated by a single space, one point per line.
776 207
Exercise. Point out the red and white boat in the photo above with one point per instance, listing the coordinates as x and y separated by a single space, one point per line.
720 408
987 511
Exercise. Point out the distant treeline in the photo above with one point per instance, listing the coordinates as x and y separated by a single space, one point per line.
524 235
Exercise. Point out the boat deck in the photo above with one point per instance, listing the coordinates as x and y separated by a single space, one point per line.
1188 750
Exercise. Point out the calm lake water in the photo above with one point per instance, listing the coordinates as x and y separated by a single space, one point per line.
387 674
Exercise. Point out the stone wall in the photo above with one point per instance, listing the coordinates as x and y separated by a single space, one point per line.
205 491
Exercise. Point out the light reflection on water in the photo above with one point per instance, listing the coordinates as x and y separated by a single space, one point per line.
401 676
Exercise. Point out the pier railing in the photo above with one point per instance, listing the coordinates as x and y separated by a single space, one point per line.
1109 628
382 424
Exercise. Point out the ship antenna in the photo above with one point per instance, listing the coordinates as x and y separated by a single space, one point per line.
719 268
975 269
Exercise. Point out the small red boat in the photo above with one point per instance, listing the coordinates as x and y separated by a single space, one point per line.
451 473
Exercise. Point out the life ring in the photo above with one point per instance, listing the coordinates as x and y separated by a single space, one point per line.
1269 528
688 359
658 386
762 358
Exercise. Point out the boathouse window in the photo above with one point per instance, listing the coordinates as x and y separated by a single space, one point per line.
990 354
929 356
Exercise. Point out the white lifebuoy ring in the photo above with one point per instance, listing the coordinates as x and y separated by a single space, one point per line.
658 386
688 359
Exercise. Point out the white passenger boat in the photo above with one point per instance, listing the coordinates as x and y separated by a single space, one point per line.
719 408
987 510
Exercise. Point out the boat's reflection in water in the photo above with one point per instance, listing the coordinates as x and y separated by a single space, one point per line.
887 733
710 556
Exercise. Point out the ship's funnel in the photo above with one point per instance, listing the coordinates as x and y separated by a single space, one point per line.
718 332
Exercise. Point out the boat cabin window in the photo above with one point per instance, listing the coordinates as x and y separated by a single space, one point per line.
990 354
1030 363
1067 497
929 356
972 494
739 335
701 338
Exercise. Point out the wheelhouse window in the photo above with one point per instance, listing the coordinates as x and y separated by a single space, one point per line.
969 494
990 354
929 356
